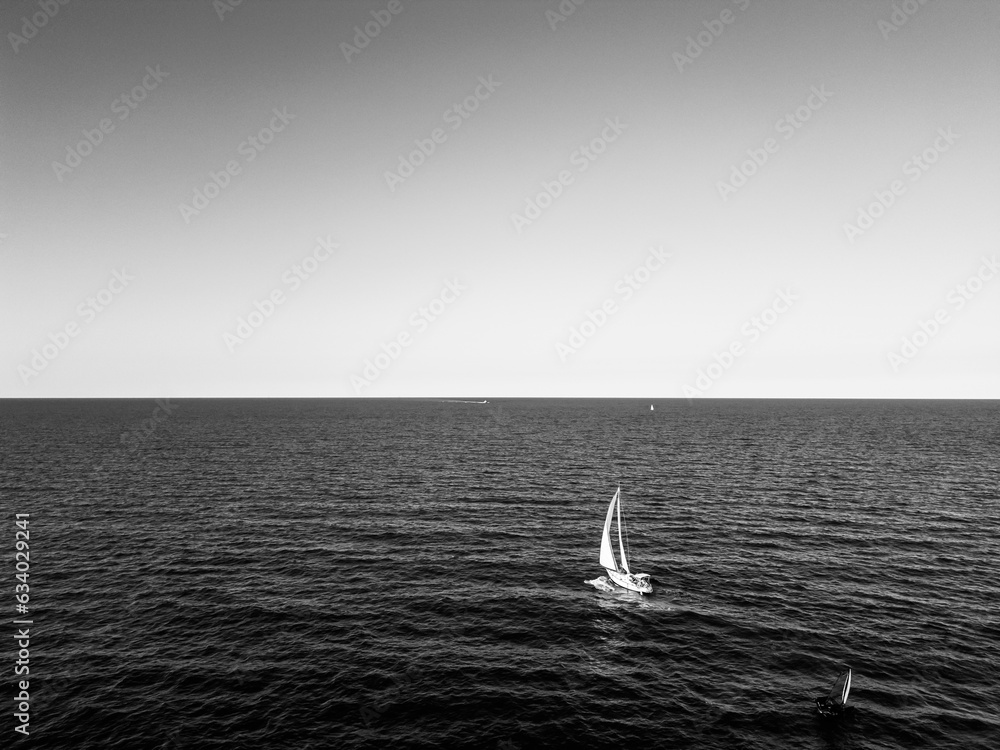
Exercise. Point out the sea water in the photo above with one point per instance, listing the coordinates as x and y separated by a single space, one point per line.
424 573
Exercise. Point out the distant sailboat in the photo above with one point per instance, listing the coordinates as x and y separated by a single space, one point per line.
620 575
835 703
651 407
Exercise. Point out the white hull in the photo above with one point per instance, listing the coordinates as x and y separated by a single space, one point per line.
635 582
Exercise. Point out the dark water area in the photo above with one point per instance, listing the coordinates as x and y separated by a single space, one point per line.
424 573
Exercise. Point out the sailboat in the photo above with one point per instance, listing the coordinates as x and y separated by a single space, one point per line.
651 407
835 703
620 575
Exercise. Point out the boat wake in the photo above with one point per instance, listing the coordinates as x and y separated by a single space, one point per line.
601 583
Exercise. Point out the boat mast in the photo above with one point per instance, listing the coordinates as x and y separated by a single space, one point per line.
621 545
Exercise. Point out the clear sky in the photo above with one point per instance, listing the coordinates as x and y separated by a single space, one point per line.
654 199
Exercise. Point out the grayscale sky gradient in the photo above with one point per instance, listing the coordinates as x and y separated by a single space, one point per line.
863 99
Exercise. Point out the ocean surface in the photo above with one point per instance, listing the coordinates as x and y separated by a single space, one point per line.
424 573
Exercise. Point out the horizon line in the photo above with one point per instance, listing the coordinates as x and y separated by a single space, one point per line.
463 397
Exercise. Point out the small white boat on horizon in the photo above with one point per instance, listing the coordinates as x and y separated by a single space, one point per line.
620 575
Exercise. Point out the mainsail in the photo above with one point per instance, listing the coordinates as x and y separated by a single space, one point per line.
621 546
607 554
607 551
841 689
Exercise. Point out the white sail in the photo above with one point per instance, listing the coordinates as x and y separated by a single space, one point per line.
841 689
621 545
607 554
847 688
